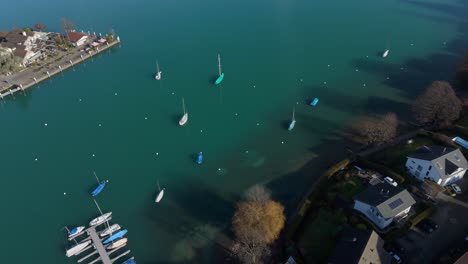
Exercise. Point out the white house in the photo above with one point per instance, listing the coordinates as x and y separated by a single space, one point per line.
77 38
440 164
384 203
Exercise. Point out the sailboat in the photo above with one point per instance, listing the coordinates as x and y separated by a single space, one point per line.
385 54
184 118
115 236
220 74
77 248
160 195
100 219
158 72
314 102
199 158
109 230
75 231
130 261
117 243
99 188
293 120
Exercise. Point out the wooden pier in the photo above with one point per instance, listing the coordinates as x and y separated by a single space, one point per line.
104 257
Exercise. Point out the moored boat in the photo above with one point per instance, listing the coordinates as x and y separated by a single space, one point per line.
293 121
109 230
75 231
100 219
199 158
184 118
77 248
130 261
220 72
115 236
158 72
314 102
117 243
385 54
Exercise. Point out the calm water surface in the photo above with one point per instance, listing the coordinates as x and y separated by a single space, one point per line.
111 116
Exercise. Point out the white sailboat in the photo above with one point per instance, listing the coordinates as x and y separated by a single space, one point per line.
77 248
184 118
117 243
385 54
109 230
100 219
160 194
158 72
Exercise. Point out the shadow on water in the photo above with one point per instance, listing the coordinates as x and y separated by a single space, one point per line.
213 79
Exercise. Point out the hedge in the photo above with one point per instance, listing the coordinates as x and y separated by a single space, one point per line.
381 168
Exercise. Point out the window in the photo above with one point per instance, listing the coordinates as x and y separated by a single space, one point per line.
419 167
427 173
413 161
417 173
430 167
410 167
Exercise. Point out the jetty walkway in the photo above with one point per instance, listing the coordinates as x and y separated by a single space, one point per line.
33 75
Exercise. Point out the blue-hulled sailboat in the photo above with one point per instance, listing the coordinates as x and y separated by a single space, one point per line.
199 158
293 120
314 102
99 188
220 72
115 236
130 261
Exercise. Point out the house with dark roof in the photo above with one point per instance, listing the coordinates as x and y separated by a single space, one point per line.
384 203
359 247
440 164
77 38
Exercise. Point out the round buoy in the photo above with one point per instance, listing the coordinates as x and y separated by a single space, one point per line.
35 159
99 124
258 124
282 142
146 118
219 169
94 155
64 193
357 70
201 130
157 153
79 100
115 94
45 124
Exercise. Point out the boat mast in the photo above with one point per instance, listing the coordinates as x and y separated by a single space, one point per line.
157 66
219 64
107 222
183 105
68 230
294 112
96 178
159 188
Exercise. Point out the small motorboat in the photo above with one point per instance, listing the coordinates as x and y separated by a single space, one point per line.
130 261
77 248
117 243
75 231
158 72
220 72
101 219
160 194
199 158
385 54
314 102
108 231
115 236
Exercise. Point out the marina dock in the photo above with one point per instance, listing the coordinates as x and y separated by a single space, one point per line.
35 76
97 246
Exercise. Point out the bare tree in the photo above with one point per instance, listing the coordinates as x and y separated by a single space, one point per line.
67 25
375 131
39 27
439 105
258 193
257 222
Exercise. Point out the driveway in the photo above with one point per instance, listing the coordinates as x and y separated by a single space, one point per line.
451 215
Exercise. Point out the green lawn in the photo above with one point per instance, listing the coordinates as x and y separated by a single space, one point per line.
317 234
395 157
348 189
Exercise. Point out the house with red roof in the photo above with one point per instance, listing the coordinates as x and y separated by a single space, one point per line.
77 38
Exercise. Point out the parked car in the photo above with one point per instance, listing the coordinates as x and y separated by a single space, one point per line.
431 223
456 188
395 257
425 227
391 181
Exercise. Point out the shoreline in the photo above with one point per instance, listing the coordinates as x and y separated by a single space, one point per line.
64 63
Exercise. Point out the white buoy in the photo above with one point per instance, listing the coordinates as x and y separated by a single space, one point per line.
219 169
364 85
201 130
45 124
35 159
99 124
236 114
64 193
157 153
282 142
357 70
324 82
115 94
79 99
94 155
146 118
258 124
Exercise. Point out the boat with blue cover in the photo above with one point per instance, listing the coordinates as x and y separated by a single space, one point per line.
314 102
99 188
75 231
130 261
115 236
293 120
220 72
460 141
199 158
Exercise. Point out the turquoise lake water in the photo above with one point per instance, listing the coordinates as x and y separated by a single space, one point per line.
111 116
